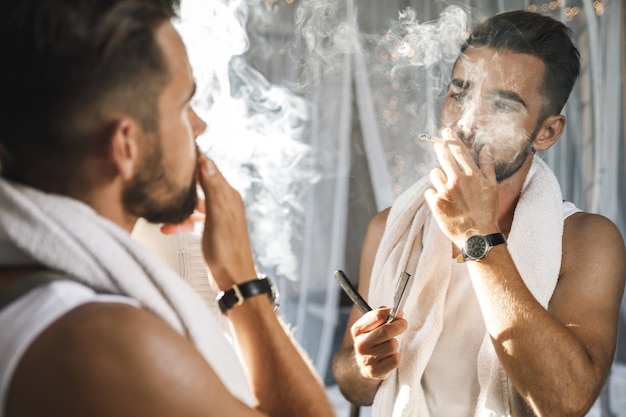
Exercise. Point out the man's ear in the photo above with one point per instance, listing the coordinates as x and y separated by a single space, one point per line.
125 146
549 132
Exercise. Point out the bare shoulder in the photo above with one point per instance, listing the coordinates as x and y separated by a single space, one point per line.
594 241
114 359
376 227
373 236
380 219
591 281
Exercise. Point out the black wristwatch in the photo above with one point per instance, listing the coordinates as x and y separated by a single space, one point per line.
238 293
478 246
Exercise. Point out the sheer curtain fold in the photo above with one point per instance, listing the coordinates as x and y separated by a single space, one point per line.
325 234
374 149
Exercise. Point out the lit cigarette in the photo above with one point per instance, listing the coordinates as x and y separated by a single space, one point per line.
430 138
397 299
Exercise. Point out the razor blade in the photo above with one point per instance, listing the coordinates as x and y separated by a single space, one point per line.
399 293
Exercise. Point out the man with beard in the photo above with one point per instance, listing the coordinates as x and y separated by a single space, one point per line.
513 301
98 131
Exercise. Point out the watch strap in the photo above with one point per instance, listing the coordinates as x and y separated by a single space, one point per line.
238 293
495 239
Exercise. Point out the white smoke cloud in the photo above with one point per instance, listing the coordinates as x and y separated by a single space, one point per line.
254 129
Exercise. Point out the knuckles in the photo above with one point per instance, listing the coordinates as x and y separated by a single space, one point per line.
379 368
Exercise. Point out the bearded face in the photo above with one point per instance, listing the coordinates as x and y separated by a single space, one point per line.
505 167
153 195
495 99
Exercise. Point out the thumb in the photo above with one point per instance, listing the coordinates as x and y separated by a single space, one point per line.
207 169
209 177
485 160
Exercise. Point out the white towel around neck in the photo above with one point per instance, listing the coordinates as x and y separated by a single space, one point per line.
68 236
413 242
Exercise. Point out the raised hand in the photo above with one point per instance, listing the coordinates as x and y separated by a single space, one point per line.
225 240
376 349
464 197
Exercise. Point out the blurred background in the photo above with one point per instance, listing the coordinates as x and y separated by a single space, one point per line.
314 108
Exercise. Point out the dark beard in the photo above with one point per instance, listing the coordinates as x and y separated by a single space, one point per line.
151 195
503 170
175 210
506 170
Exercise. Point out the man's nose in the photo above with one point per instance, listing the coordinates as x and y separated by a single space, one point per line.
470 122
466 125
198 125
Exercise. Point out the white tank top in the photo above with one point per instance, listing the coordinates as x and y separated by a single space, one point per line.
450 380
23 320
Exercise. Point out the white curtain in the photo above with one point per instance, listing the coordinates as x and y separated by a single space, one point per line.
314 107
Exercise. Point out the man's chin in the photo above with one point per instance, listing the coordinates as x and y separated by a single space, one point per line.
175 212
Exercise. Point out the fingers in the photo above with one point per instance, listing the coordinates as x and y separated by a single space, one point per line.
454 157
446 157
460 153
457 164
375 345
209 176
371 320
438 180
220 197
486 163
380 365
225 240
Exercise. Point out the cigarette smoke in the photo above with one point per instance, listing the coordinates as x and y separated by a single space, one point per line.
254 129
406 67
257 130
481 116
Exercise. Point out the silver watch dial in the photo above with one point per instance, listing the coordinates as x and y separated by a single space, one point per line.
476 247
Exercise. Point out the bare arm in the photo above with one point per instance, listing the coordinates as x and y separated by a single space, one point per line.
369 352
116 360
557 359
272 362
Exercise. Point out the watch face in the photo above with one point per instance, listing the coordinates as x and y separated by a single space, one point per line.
476 247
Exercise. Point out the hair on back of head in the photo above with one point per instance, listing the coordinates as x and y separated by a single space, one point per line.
541 36
70 67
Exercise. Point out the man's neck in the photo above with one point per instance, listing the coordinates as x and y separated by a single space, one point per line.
509 193
106 199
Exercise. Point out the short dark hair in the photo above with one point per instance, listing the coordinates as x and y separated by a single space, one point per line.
68 65
541 36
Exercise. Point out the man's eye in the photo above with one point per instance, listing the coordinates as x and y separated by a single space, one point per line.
501 105
458 96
